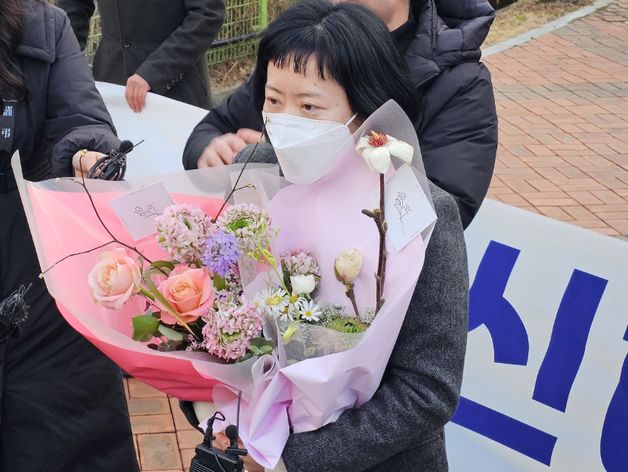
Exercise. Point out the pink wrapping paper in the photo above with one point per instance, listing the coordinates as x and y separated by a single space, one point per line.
324 217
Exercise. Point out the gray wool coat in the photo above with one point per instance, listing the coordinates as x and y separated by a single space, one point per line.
401 428
164 41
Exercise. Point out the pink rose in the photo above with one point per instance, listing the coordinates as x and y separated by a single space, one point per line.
114 279
189 291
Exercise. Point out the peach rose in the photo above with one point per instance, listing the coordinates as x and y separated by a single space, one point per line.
189 291
114 279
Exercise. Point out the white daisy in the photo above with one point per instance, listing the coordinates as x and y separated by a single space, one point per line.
294 307
309 310
273 302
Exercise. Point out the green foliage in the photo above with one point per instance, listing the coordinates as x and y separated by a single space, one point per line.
259 347
349 325
145 327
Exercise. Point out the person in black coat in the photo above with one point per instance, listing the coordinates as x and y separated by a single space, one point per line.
457 122
152 45
62 403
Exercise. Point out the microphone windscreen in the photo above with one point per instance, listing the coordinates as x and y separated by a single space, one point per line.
231 432
125 146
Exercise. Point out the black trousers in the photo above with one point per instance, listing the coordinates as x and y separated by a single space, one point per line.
62 404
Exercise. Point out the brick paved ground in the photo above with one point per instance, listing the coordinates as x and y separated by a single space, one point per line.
164 439
563 105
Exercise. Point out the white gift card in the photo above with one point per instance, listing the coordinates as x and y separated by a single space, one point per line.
137 209
408 211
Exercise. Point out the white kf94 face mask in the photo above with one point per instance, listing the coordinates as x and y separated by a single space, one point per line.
307 149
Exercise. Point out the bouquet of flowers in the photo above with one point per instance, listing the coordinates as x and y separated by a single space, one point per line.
290 296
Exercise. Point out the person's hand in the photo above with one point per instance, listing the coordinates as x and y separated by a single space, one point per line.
135 92
83 161
222 442
223 149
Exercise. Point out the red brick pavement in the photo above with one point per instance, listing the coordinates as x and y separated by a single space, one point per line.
562 101
563 106
164 439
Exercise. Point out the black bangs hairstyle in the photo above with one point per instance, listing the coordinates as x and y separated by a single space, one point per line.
350 45
11 83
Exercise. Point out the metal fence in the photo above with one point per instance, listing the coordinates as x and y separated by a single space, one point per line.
238 38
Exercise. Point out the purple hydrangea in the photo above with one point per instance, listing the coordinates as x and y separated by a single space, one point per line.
221 253
230 330
182 230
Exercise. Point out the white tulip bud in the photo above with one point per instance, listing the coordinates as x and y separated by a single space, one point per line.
302 284
348 266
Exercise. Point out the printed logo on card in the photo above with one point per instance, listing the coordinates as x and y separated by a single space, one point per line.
408 211
137 209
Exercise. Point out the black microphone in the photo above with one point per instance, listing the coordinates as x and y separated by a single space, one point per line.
113 165
125 146
231 432
209 459
13 312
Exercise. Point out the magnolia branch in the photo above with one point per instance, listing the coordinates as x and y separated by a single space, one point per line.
379 217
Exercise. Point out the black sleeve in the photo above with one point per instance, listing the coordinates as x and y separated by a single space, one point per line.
79 12
421 386
238 111
459 142
76 116
185 45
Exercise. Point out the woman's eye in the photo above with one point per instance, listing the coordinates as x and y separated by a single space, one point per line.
308 107
272 101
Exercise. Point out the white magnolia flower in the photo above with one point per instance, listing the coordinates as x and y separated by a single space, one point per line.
348 266
309 310
377 149
303 284
273 302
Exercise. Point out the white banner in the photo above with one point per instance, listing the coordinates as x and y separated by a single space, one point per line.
164 125
546 377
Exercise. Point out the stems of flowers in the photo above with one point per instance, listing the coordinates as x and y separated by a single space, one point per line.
73 255
113 238
382 227
91 201
235 185
379 216
351 296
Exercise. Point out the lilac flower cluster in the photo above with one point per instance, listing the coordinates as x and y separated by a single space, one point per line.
182 231
230 329
221 253
300 262
249 224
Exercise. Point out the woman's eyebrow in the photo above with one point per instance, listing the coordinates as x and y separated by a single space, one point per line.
309 94
274 89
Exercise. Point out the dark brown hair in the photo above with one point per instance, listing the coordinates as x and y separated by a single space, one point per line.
11 83
351 45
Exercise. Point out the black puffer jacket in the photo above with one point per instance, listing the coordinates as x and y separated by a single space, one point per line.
457 126
65 112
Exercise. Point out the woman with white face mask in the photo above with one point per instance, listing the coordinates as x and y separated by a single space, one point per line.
322 69
319 76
